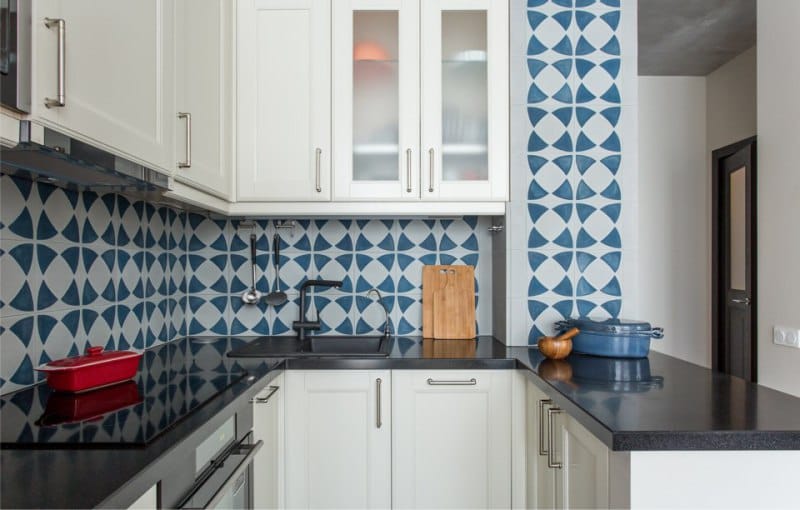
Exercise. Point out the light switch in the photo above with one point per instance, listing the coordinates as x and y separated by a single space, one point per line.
789 337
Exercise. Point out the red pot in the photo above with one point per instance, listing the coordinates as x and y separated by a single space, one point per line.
92 370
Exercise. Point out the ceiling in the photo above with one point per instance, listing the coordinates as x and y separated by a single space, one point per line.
693 37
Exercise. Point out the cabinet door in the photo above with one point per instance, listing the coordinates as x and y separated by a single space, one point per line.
118 75
541 479
204 95
338 435
464 111
376 99
451 439
268 464
284 100
582 481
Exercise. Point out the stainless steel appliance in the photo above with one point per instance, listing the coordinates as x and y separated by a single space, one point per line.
15 54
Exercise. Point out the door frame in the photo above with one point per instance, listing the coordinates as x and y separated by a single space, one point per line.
718 297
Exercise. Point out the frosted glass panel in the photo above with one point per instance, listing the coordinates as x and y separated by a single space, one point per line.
375 96
738 248
464 97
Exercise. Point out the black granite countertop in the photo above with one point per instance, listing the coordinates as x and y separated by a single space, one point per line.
658 403
89 476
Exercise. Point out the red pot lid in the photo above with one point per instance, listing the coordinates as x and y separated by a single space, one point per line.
93 356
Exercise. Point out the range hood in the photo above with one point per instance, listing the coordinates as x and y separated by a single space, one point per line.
70 163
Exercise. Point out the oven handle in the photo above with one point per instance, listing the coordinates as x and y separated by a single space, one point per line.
243 465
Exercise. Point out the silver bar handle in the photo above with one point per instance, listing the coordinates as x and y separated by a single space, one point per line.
318 177
378 420
468 382
409 189
544 402
60 99
551 433
742 301
431 161
264 400
187 162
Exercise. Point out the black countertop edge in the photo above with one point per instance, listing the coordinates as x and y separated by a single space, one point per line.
714 440
113 477
398 364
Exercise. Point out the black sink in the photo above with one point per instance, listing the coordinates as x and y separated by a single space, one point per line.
315 347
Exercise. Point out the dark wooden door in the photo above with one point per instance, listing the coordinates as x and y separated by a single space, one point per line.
734 260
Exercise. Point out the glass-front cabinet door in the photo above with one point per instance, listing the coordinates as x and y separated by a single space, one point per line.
464 99
376 99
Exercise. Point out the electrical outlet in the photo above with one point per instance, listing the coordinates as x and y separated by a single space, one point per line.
786 336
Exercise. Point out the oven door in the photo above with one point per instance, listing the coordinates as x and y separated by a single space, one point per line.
228 481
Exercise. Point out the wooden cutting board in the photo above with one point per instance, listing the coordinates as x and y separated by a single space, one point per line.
448 302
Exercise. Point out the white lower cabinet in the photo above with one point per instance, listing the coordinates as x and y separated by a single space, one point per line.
451 439
338 439
268 419
568 467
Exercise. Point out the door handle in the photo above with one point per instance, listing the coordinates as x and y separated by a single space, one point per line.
544 402
431 161
378 421
741 301
408 171
187 162
318 175
468 382
551 434
61 26
264 400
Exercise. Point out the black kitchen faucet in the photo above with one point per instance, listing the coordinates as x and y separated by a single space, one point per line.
303 325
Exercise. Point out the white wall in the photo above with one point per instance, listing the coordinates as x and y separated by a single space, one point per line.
778 190
731 101
674 243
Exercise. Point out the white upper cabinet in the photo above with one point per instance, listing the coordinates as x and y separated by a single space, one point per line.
415 114
204 96
376 99
284 100
464 112
451 439
115 85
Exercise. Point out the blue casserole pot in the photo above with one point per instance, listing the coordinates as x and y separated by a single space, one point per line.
611 338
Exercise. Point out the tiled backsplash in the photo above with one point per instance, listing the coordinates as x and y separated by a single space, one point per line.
79 268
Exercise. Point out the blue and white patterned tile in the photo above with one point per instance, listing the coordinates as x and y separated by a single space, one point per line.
156 322
63 277
333 235
544 311
249 320
408 271
59 215
130 326
551 224
19 204
179 307
284 315
295 268
206 234
334 265
374 235
598 224
598 290
100 283
297 239
207 272
158 278
19 352
130 234
208 315
59 335
408 315
552 273
375 271
178 229
369 316
334 312
130 275
100 326
418 235
20 275
157 228
100 222
551 174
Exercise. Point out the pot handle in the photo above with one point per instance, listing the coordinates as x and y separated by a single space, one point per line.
561 325
656 333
